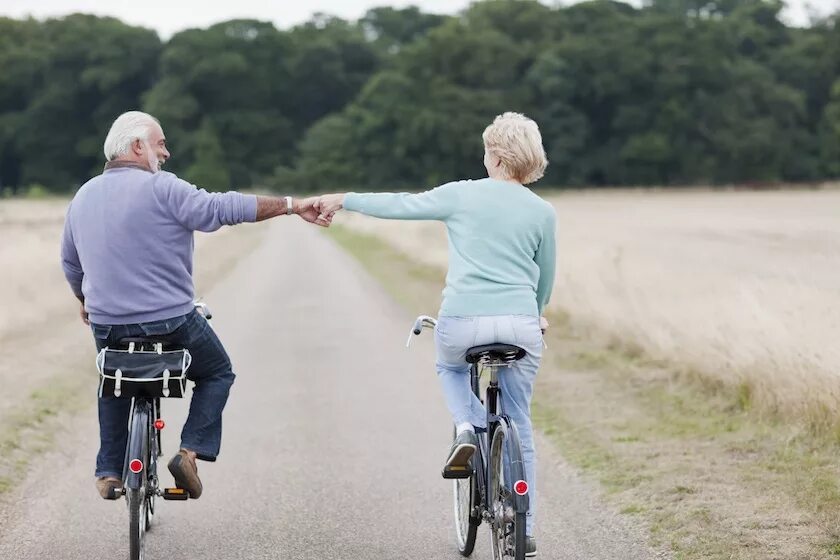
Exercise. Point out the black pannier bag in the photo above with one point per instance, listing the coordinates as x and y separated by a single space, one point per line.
143 373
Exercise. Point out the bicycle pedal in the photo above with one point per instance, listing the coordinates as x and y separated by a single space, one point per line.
456 472
175 494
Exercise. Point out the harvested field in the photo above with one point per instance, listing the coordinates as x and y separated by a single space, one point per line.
739 288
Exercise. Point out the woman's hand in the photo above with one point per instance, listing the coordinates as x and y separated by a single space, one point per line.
329 204
543 324
306 209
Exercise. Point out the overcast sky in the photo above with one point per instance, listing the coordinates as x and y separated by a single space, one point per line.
169 16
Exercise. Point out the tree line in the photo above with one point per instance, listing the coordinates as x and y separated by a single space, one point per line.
676 92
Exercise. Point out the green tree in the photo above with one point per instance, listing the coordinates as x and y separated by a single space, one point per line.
87 70
208 170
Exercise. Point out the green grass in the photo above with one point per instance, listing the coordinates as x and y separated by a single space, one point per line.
30 429
413 285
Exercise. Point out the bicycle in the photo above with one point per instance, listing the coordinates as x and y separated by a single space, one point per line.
494 488
144 369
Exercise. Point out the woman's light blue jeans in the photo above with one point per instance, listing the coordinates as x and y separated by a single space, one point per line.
453 337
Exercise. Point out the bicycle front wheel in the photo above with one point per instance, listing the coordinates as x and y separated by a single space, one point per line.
152 483
466 497
507 527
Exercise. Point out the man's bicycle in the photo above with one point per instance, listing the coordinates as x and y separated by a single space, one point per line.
494 487
144 369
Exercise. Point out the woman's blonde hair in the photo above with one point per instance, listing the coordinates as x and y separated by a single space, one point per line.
516 141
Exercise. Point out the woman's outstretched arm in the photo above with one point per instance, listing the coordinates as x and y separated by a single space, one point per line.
436 204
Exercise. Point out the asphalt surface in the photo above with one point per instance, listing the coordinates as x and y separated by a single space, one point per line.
333 441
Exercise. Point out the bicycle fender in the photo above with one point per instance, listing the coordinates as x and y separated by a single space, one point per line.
136 448
515 465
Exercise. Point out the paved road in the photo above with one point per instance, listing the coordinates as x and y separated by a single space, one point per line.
334 436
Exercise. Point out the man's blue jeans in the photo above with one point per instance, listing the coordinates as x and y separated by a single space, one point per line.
453 337
210 370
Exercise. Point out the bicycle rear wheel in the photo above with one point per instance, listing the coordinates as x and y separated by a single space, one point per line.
138 502
466 498
137 508
507 527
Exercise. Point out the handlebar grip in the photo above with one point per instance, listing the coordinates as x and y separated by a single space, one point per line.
418 326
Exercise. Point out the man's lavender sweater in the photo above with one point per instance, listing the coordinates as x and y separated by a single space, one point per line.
127 246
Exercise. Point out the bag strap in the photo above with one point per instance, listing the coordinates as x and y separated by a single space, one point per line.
165 391
117 383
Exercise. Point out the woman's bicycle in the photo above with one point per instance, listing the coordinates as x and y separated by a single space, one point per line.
494 488
144 369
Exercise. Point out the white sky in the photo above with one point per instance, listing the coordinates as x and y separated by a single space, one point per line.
169 16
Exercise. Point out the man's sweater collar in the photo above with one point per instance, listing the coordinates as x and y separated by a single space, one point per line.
118 164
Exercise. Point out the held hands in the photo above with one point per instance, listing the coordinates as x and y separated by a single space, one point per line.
329 204
319 210
305 208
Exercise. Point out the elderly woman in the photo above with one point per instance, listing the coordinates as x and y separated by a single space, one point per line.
501 271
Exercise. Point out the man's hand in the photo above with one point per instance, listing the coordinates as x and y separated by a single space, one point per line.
329 204
305 208
84 314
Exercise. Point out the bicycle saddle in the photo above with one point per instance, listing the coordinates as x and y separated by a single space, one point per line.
505 353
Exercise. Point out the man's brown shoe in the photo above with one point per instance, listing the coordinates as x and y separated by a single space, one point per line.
108 487
183 468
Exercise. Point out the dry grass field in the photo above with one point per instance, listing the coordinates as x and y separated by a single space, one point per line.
739 288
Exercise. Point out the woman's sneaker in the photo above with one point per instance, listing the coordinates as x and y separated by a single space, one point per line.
460 453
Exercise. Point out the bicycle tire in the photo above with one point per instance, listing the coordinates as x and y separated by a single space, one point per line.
137 523
151 475
465 495
137 497
507 527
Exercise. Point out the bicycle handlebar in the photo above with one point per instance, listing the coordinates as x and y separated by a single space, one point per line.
202 308
423 321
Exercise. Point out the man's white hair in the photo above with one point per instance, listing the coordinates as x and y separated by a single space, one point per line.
130 126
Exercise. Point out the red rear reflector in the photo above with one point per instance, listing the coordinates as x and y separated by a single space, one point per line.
159 424
136 466
521 487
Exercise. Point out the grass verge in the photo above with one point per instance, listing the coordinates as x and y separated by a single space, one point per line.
30 429
707 476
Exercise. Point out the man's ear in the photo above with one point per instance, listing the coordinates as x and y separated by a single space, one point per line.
137 147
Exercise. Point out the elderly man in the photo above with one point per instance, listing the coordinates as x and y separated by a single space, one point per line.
127 253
